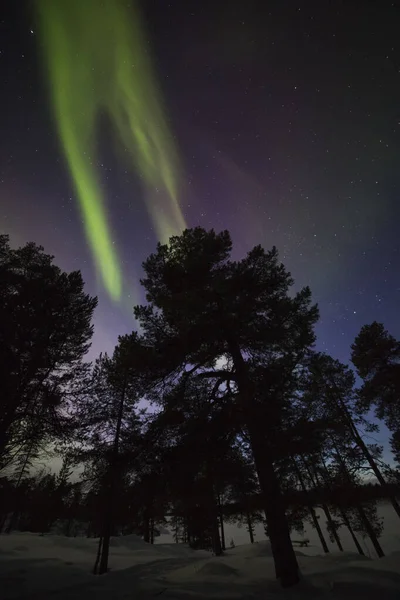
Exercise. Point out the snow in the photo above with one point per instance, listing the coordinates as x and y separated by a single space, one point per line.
390 539
43 567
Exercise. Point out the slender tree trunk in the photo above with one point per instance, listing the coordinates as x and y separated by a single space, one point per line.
353 535
107 523
146 532
189 534
185 533
69 527
342 511
316 483
176 534
286 566
99 549
2 521
332 526
14 518
151 530
250 527
217 547
221 523
17 507
363 516
213 512
358 439
110 484
311 508
370 531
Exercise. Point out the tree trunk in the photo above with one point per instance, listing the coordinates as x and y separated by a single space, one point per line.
364 518
318 528
358 439
151 530
316 484
17 507
311 508
250 528
286 566
68 527
353 535
13 519
146 531
110 484
2 521
188 529
185 533
213 511
332 526
342 511
176 534
106 529
99 549
370 531
216 540
221 523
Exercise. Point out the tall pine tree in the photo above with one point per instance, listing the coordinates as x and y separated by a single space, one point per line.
202 306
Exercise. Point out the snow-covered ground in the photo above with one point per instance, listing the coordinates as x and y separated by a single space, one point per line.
390 538
44 567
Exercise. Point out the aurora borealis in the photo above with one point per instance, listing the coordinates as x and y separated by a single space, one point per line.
98 65
278 121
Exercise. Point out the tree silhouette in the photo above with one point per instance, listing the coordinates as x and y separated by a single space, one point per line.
203 306
248 420
45 330
376 356
107 423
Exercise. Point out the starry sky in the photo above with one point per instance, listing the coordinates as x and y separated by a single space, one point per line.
287 120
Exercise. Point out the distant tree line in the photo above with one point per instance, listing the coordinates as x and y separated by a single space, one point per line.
249 423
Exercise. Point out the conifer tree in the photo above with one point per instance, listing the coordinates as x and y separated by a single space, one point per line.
203 306
45 330
376 357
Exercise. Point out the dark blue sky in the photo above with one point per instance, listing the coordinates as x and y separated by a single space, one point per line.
287 116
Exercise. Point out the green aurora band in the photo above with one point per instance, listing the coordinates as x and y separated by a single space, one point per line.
98 65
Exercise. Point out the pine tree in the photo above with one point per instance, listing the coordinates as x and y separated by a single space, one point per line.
365 514
109 423
197 416
203 306
376 356
45 330
331 389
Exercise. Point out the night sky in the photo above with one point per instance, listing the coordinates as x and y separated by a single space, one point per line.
287 120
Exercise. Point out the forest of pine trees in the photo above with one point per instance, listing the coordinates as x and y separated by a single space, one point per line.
245 421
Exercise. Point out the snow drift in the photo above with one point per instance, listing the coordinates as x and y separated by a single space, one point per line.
40 567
